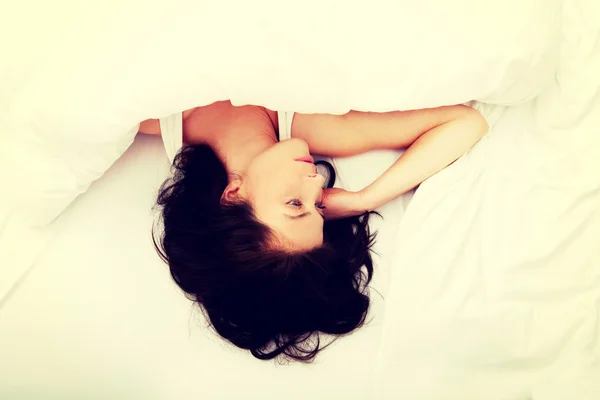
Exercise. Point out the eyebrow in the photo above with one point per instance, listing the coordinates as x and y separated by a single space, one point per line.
304 214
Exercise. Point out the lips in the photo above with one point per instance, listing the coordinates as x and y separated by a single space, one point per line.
306 159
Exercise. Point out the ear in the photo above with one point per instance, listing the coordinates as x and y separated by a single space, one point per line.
231 194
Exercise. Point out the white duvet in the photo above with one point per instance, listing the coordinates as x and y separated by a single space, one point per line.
78 81
496 276
490 275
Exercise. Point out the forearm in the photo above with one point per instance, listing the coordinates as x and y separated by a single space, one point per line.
429 153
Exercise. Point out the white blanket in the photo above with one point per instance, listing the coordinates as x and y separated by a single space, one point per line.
495 288
78 81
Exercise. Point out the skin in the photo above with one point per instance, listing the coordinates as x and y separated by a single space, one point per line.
286 194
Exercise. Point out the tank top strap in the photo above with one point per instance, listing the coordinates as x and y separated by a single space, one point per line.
285 119
171 131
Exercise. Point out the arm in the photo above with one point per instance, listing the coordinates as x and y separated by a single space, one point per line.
435 138
150 127
429 153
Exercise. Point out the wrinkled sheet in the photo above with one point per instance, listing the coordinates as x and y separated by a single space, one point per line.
77 76
495 287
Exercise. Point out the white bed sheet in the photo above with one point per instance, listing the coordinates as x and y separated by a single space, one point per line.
99 317
495 285
493 290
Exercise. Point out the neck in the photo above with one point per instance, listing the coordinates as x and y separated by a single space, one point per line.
236 134
238 150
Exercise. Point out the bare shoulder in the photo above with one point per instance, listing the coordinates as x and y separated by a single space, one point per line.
205 124
150 127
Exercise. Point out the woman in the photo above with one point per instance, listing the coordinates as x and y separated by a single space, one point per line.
272 258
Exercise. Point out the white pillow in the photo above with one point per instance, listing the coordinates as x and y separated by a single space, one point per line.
117 63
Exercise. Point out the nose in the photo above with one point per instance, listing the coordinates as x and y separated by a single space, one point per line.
318 179
315 185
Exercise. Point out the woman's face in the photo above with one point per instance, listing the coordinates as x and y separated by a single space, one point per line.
283 186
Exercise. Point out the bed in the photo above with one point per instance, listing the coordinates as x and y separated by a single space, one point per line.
487 279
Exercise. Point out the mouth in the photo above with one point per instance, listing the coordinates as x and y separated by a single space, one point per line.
306 159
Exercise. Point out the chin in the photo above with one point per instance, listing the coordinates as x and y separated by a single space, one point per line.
299 148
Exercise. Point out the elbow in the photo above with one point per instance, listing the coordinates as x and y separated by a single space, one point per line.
482 123
477 123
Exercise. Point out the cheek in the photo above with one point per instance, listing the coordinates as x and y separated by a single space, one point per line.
259 187
265 164
272 189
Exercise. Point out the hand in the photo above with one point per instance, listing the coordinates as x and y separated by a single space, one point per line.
340 203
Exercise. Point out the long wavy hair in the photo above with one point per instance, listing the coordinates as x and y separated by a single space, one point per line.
266 300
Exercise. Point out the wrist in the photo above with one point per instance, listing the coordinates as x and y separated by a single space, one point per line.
366 202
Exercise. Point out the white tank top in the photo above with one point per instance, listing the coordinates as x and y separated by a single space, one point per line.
171 130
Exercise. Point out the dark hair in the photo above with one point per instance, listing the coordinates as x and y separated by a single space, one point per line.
268 301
